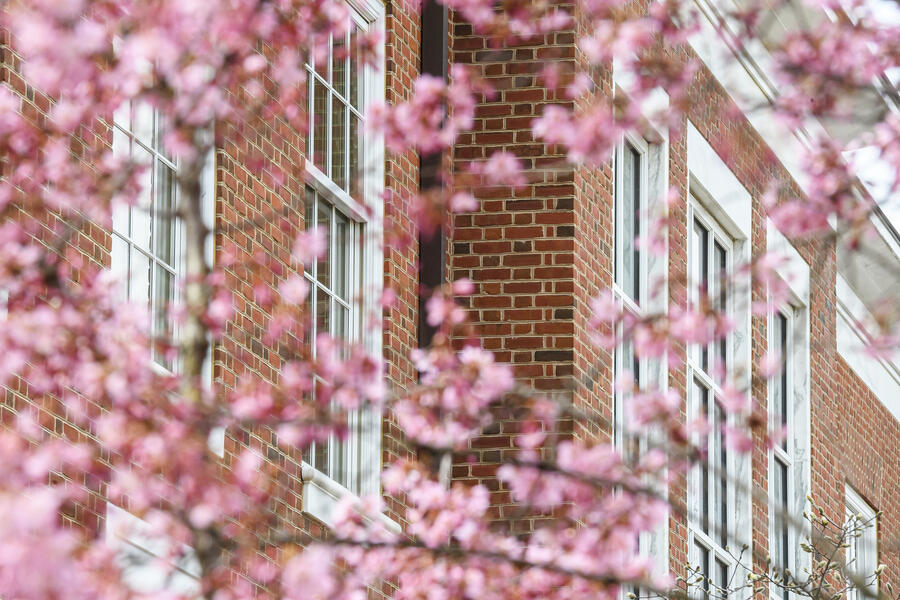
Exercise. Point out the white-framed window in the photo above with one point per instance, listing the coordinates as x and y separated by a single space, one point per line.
631 175
147 238
336 283
788 402
632 172
640 177
631 164
339 89
862 553
781 478
345 174
148 243
150 563
712 493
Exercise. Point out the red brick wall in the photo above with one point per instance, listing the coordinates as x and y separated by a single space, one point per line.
518 246
258 217
403 32
853 436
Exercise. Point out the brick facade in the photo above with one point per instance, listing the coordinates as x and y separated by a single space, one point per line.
537 255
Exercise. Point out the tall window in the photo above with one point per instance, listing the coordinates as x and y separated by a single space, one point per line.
342 199
631 186
146 237
781 393
862 553
335 283
631 167
711 496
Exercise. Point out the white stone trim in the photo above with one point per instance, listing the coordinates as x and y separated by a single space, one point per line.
881 375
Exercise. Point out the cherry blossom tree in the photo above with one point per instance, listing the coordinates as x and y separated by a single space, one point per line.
73 347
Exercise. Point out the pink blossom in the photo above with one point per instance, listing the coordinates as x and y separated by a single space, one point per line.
294 289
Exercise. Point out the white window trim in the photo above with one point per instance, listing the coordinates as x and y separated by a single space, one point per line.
696 212
320 492
794 275
784 455
880 374
216 440
865 555
177 266
653 272
715 194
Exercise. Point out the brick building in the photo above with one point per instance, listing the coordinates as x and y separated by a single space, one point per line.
537 254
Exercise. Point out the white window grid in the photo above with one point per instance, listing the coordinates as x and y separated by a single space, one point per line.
335 284
336 96
629 293
862 553
147 239
629 288
631 284
781 487
710 266
711 494
344 172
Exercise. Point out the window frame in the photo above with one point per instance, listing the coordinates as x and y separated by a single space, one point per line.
783 455
856 505
320 491
632 305
648 373
177 266
699 376
718 235
642 148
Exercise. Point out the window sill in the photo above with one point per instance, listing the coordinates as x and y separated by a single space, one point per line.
322 493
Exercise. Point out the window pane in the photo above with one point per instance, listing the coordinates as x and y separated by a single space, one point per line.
338 458
323 273
323 311
722 578
163 298
119 263
782 392
338 142
699 273
722 476
164 223
342 255
321 452
142 127
139 278
356 72
341 321
121 214
159 141
121 142
140 214
355 133
701 399
122 116
339 58
720 301
700 268
320 125
629 205
779 494
703 554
